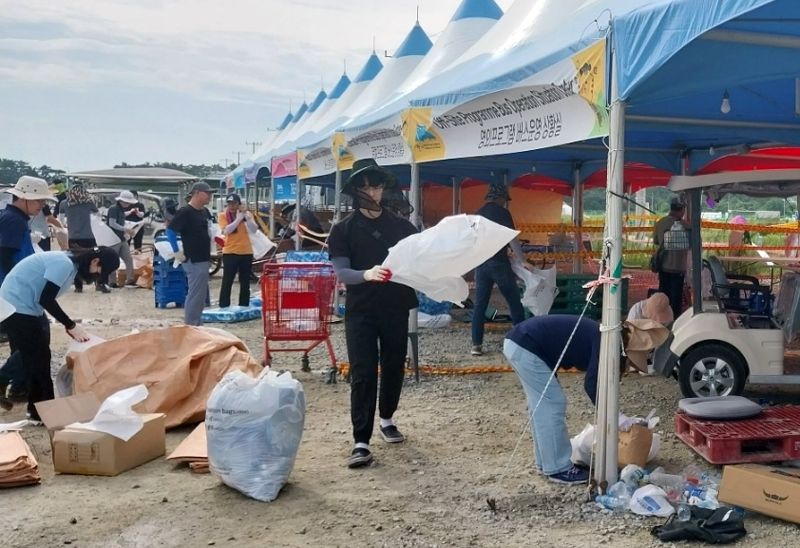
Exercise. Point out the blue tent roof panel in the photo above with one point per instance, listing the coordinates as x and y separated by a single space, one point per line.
487 9
416 43
370 69
340 87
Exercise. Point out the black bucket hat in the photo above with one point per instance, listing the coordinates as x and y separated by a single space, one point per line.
497 190
377 175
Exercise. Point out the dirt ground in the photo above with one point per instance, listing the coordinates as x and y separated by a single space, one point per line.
430 491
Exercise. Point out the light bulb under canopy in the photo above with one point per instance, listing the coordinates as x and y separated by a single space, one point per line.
725 105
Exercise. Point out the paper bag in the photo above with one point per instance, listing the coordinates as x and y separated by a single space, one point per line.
634 446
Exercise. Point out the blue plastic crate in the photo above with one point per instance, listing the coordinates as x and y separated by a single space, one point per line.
231 314
294 256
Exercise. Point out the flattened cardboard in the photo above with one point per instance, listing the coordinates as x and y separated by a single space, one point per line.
193 448
58 413
98 454
769 490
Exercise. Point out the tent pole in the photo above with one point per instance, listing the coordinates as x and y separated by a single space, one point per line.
298 200
413 335
608 374
337 196
456 203
271 200
577 218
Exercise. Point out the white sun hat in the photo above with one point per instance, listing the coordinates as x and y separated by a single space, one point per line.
127 197
31 188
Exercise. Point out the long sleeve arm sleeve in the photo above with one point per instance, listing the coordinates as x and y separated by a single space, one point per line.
48 301
172 238
345 274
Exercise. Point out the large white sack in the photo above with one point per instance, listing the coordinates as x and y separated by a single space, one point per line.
434 260
103 234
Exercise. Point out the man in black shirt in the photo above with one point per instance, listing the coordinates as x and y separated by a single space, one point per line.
192 223
376 321
496 269
136 213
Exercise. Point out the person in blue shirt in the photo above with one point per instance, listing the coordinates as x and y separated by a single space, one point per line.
533 348
497 268
32 288
28 198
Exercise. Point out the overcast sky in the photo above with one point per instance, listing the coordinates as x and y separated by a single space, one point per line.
86 84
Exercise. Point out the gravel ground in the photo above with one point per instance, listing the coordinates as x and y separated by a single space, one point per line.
430 491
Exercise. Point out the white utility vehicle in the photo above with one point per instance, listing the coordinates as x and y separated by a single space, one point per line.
736 333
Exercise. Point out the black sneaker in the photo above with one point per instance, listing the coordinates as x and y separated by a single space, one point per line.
359 457
391 434
113 285
103 288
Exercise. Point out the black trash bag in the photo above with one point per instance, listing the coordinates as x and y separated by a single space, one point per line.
721 526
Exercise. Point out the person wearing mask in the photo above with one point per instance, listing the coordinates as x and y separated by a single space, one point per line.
672 255
78 209
192 223
376 323
32 288
135 213
116 221
237 253
497 269
40 224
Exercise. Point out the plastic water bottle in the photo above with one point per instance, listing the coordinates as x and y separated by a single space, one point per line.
617 498
672 484
632 475
683 512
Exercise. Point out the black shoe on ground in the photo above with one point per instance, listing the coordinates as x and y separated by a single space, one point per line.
103 288
78 289
391 434
359 457
6 404
113 285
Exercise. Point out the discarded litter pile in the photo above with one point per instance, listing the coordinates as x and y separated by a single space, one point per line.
18 465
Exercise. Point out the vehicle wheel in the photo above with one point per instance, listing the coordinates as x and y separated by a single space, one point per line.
214 264
712 370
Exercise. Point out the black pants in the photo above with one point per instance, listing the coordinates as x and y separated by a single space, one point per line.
137 240
671 284
371 339
30 336
82 243
231 266
44 244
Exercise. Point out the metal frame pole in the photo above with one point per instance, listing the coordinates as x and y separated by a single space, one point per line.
416 220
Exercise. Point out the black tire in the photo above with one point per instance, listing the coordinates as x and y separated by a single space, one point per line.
214 264
712 369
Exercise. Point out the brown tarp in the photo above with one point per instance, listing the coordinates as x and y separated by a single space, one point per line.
178 365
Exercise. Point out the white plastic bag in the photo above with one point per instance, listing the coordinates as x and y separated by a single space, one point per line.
583 445
434 260
103 234
260 243
164 248
651 500
540 288
254 428
115 415
433 321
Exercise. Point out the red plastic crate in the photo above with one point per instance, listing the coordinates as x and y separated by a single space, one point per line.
774 435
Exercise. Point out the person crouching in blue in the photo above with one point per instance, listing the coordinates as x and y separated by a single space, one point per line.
32 288
533 348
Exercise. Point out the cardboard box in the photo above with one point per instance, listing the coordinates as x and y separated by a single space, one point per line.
634 446
96 453
769 490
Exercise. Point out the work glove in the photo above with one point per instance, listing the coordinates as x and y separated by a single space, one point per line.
377 273
78 333
239 216
179 257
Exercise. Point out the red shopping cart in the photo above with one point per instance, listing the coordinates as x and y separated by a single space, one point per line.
297 302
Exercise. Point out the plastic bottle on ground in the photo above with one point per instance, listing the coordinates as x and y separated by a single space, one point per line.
683 512
617 498
672 484
632 475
